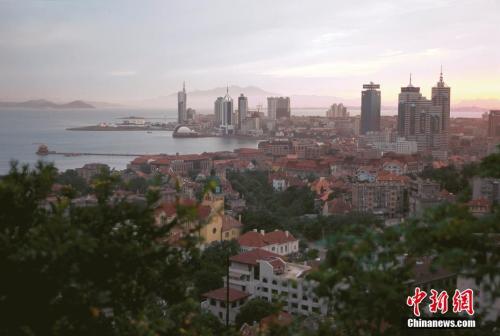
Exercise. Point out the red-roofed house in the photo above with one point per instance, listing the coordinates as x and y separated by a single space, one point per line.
280 242
216 301
479 206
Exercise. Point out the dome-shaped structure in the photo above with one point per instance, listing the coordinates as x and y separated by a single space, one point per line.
184 130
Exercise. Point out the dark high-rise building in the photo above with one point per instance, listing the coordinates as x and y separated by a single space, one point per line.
494 124
242 110
441 97
370 108
278 107
182 105
421 121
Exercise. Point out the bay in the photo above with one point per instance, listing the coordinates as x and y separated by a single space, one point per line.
23 130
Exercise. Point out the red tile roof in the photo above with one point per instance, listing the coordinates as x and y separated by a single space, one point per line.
220 294
278 237
257 239
170 208
252 238
251 257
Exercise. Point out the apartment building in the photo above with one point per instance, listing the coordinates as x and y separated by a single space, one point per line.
262 274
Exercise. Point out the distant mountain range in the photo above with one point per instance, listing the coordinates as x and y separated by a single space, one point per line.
204 99
46 104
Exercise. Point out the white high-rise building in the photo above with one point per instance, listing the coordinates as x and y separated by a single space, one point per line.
337 111
223 109
182 105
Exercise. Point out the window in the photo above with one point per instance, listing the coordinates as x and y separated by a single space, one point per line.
275 282
226 234
212 302
220 315
214 230
295 305
294 295
265 289
264 280
275 291
233 304
304 307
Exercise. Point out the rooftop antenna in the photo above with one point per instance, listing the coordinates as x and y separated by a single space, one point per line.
441 74
184 86
410 80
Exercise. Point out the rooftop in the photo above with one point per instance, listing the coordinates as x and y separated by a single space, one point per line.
220 294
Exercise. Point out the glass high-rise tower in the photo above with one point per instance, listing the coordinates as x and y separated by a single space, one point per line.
370 108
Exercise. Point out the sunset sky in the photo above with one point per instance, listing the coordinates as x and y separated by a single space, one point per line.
121 51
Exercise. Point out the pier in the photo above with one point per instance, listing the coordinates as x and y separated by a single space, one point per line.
43 150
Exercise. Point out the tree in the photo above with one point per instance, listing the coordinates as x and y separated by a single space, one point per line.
138 185
368 267
93 270
255 310
212 265
70 177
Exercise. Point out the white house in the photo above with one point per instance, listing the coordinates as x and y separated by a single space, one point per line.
279 242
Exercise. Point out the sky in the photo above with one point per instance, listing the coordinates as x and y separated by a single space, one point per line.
120 51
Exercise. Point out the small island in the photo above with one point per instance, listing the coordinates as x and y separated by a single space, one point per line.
46 104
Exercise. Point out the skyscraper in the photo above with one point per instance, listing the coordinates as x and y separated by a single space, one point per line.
421 121
370 108
337 111
223 109
494 124
441 97
278 107
242 110
182 105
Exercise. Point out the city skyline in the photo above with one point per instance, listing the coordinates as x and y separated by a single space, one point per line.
94 51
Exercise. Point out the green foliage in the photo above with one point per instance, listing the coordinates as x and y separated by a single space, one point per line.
255 310
212 266
368 267
85 271
137 185
363 278
269 210
71 178
490 165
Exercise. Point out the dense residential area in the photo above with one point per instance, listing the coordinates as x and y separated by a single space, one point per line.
250 168
256 241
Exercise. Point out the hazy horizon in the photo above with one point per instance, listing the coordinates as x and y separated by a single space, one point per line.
125 51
